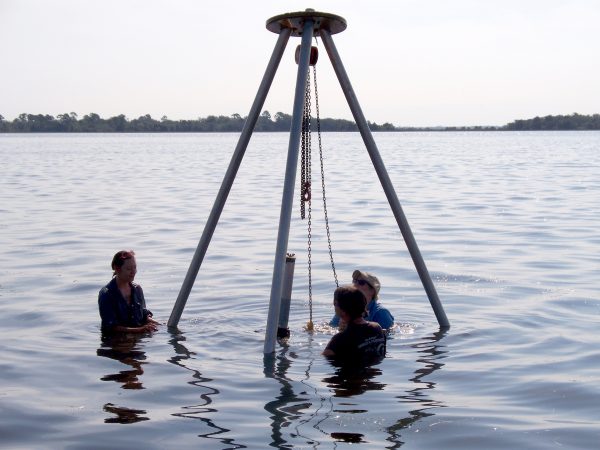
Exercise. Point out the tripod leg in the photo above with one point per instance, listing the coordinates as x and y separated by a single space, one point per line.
234 165
384 179
287 200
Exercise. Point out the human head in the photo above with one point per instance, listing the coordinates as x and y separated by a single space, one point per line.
372 286
350 300
120 258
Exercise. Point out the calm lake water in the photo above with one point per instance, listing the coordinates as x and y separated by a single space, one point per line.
507 224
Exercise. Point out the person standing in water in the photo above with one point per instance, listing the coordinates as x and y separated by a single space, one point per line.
360 343
121 302
369 285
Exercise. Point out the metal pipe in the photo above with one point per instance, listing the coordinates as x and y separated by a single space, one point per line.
286 296
384 178
229 178
287 199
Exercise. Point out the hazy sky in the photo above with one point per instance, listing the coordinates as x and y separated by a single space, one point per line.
411 62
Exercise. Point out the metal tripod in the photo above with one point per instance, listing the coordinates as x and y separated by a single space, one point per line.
305 24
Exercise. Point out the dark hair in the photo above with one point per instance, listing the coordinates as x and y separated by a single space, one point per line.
350 300
120 258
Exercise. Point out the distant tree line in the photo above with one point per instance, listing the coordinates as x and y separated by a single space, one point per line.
71 123
573 122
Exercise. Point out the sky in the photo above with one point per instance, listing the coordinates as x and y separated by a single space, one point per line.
410 62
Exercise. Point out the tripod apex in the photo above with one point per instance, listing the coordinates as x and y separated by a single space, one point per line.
295 21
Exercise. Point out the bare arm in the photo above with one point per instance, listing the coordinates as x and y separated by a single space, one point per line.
150 326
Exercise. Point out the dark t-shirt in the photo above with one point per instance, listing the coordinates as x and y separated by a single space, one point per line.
362 344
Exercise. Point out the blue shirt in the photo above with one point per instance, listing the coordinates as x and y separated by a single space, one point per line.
114 309
375 313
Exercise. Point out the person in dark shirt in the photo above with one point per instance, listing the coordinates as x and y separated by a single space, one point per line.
121 302
361 342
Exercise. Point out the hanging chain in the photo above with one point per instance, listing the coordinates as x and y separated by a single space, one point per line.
306 184
303 162
323 178
306 179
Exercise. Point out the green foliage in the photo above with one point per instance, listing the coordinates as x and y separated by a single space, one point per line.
93 123
573 122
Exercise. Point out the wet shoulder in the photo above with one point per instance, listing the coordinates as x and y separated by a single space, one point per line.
374 327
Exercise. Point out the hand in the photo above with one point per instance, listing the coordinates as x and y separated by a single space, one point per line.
149 327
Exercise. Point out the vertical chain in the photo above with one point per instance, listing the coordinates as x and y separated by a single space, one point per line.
307 186
306 179
303 162
323 178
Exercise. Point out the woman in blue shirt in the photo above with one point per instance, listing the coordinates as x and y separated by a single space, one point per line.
369 285
121 302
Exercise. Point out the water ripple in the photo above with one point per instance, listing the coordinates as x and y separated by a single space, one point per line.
506 222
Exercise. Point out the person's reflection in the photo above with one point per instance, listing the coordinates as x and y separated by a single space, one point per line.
124 415
431 352
182 354
351 381
123 348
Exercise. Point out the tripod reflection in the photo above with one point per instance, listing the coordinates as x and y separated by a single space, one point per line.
431 352
199 410
325 410
287 407
310 405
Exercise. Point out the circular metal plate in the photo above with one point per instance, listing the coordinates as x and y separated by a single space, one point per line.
295 20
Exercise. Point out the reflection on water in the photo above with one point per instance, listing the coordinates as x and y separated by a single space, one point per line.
353 438
347 382
287 406
123 414
123 348
197 411
502 219
354 381
298 403
431 351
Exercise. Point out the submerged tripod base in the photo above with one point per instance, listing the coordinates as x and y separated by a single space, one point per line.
306 25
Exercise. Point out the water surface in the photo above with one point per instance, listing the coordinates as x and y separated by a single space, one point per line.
506 223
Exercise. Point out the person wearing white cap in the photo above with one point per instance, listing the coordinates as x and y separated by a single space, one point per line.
369 285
